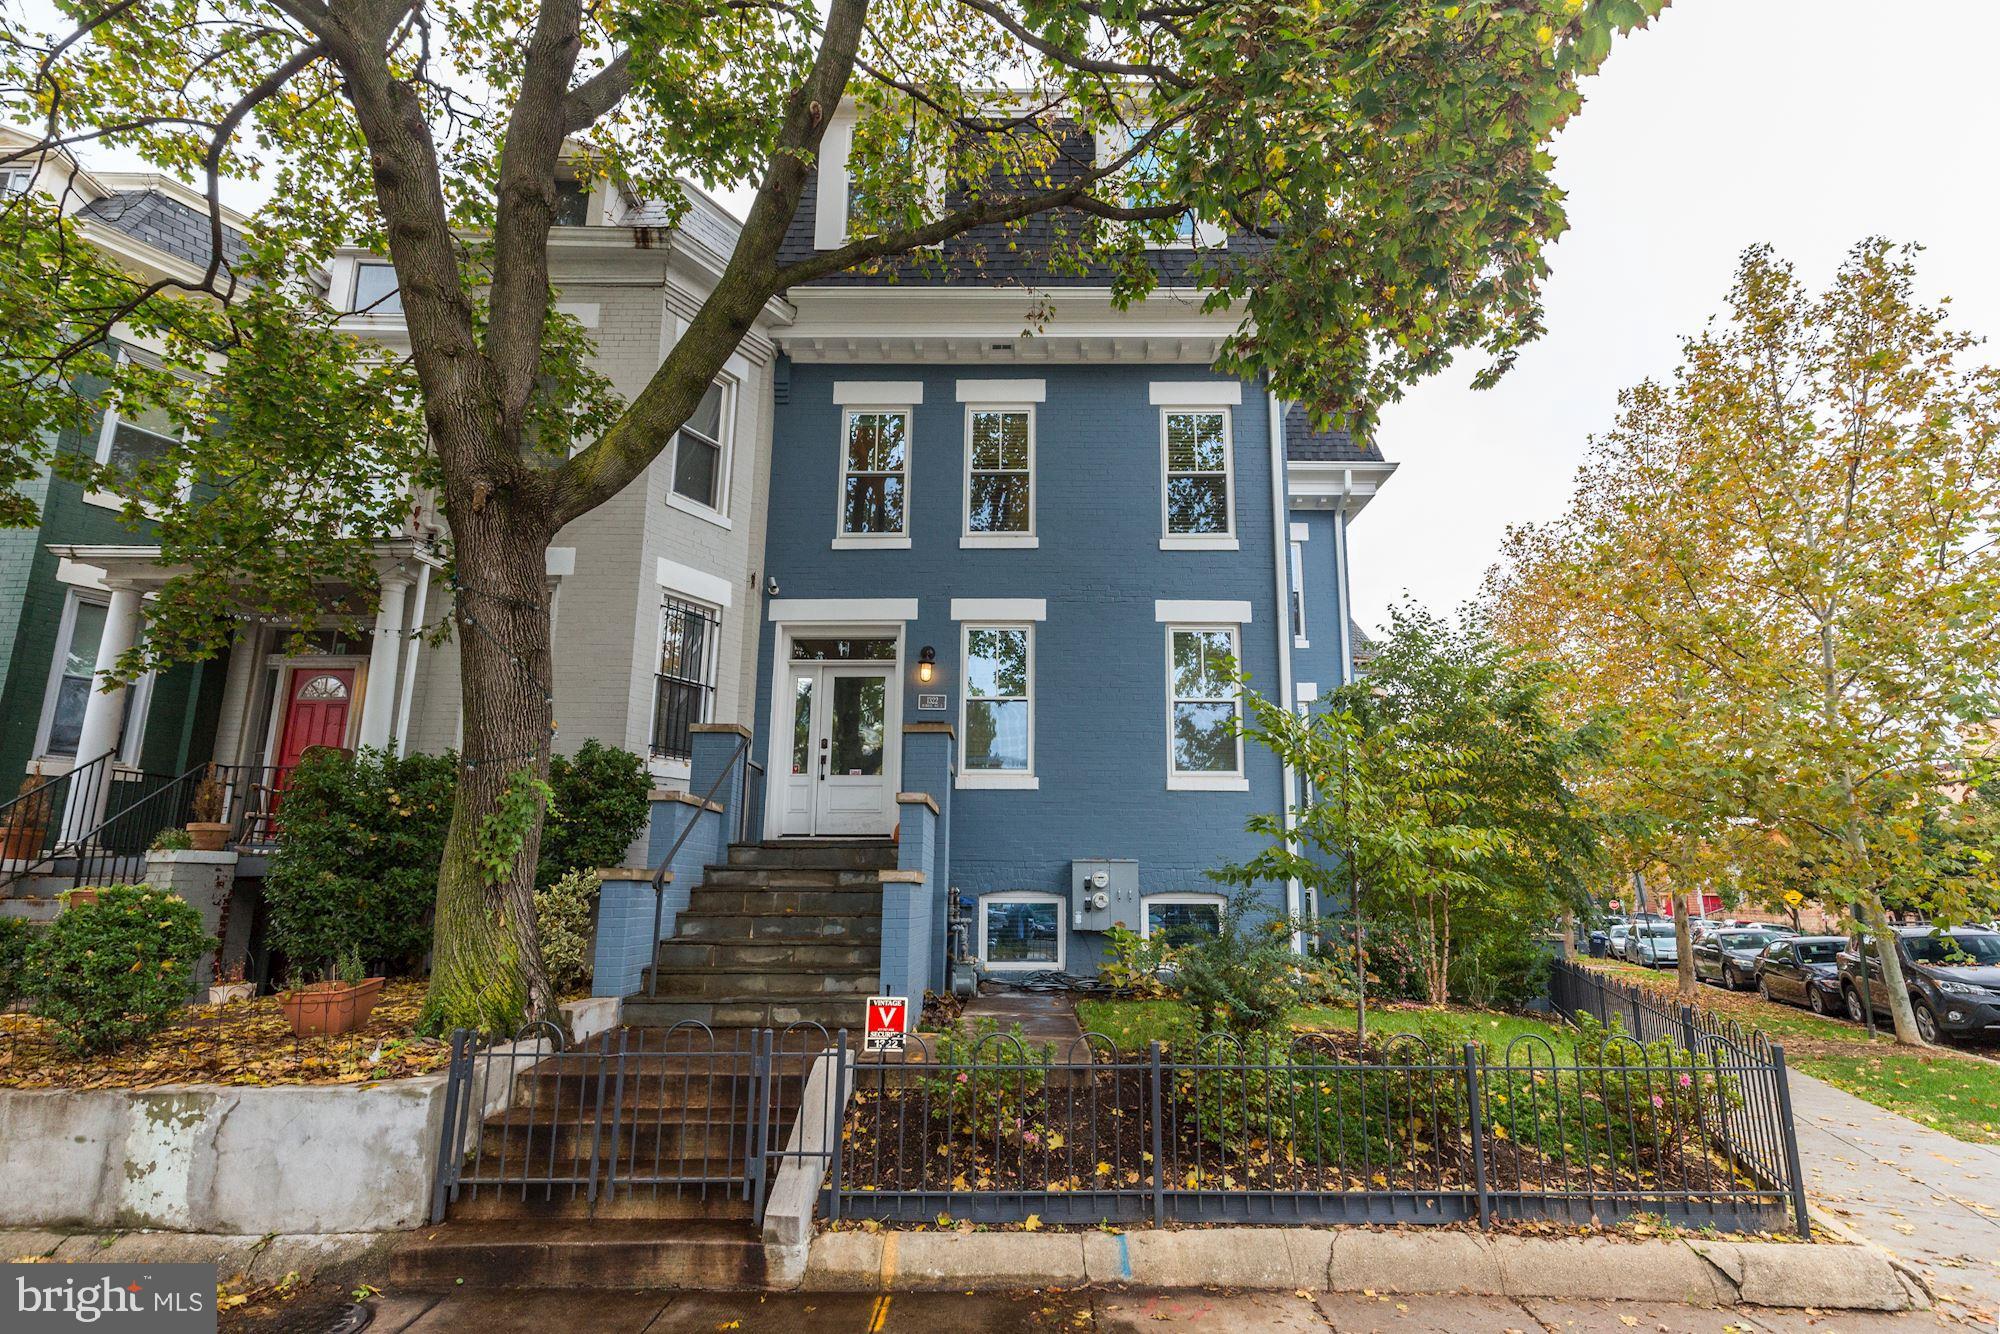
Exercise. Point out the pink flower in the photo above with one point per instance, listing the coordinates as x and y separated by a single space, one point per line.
1685 1079
963 1078
1658 1101
1031 1138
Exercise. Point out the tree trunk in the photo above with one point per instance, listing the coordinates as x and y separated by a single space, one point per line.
487 972
1683 948
1877 919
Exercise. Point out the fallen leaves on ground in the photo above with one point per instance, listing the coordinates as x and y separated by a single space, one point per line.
246 1043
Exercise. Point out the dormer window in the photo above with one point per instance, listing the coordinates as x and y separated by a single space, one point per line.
572 204
376 290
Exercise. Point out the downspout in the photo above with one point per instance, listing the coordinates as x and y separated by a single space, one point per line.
405 706
1281 568
1340 582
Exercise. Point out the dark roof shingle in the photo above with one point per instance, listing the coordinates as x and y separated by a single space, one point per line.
165 224
1336 444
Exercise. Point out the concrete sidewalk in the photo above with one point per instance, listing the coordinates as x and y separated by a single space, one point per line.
1932 1200
1058 1311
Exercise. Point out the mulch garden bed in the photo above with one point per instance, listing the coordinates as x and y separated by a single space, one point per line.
245 1043
1348 1122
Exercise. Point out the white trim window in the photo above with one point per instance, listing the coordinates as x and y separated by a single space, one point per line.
1182 917
1021 931
16 181
377 290
72 677
874 476
1197 467
142 433
997 706
999 475
702 451
1204 709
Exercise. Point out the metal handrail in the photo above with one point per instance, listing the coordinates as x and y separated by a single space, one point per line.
126 833
742 751
56 793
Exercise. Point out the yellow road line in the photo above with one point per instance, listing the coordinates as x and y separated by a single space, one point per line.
878 1315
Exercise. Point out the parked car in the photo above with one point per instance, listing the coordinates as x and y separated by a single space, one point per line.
1651 944
1600 936
1728 955
1953 977
1614 939
1802 970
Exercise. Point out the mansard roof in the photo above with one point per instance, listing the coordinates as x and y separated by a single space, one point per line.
1335 444
166 224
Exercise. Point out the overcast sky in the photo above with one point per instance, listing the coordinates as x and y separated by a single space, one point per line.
1805 123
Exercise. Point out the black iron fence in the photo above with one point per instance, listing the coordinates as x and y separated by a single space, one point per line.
1318 1130
636 1121
138 807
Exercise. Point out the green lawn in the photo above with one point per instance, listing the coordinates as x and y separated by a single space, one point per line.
1955 1092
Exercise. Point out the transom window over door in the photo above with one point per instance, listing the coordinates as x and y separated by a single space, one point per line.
1204 708
1198 508
999 707
699 450
999 494
875 473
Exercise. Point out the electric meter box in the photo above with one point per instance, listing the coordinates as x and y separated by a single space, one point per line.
1104 892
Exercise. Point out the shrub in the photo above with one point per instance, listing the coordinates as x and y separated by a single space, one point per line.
600 807
562 913
115 970
1133 963
171 839
1503 970
1241 980
358 858
15 938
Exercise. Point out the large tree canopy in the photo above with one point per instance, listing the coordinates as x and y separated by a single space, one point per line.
1381 169
1781 568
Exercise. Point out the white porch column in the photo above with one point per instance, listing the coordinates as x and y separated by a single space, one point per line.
378 705
102 712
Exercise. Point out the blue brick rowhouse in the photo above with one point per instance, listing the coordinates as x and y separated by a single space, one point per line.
1003 572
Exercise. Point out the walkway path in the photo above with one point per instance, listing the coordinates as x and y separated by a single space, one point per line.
1931 1199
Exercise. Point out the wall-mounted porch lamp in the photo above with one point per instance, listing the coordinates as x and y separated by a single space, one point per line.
926 665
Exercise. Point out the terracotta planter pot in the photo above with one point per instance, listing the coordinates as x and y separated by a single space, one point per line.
208 837
225 993
23 841
330 1009
77 898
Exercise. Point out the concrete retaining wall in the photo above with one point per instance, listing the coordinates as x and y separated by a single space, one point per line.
205 1158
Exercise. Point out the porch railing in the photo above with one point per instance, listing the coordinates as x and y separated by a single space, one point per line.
33 823
140 806
250 802
741 755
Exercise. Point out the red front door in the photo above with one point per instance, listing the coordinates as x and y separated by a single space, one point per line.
316 713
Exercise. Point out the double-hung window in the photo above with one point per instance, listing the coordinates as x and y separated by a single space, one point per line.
1204 708
134 434
874 480
701 450
74 676
1198 462
999 719
1000 476
1298 593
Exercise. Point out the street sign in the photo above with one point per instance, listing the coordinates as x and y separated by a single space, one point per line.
1793 898
888 1020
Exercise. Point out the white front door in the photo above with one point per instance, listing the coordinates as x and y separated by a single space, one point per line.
837 781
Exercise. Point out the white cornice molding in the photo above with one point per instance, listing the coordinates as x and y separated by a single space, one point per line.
907 323
1346 487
